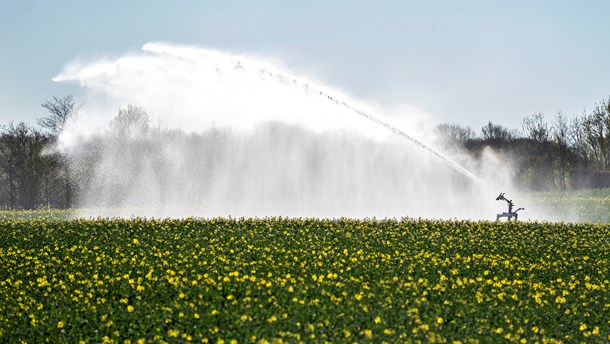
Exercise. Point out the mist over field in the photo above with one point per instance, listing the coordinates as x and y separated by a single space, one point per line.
204 133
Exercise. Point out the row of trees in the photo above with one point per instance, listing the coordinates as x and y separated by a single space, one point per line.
567 153
563 154
32 173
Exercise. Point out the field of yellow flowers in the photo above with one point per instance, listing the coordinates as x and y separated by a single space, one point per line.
310 280
579 206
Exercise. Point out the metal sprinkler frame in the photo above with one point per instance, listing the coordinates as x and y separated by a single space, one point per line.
510 214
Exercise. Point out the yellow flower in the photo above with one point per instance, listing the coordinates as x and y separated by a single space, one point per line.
60 324
440 320
272 319
583 327
130 308
377 320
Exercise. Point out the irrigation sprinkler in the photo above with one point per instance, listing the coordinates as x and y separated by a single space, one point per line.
510 214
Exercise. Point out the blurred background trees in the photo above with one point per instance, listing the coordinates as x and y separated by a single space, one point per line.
560 154
33 174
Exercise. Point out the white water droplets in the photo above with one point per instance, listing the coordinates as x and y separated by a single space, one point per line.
243 137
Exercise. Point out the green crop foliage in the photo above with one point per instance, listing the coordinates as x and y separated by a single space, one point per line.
580 206
302 280
38 214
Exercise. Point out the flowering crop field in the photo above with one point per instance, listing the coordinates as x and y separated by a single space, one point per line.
309 280
581 206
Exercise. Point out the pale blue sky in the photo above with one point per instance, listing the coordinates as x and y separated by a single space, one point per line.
460 61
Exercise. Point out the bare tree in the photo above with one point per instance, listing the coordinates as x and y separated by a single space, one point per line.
602 111
594 134
535 128
455 133
130 122
576 139
9 151
496 132
559 130
60 111
23 164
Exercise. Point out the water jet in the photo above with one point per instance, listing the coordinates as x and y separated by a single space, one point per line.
249 139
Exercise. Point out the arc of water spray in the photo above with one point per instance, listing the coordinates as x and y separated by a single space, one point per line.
396 131
413 140
283 78
392 129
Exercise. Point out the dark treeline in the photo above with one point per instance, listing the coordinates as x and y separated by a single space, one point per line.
32 174
560 154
